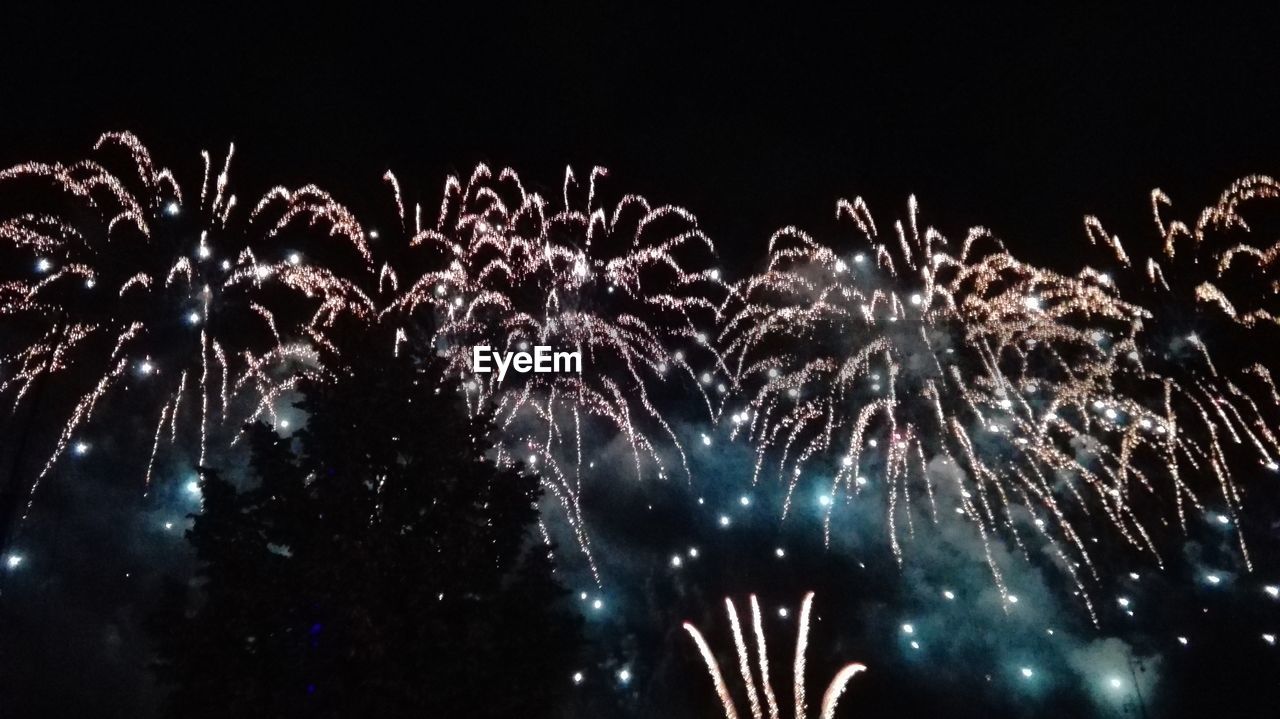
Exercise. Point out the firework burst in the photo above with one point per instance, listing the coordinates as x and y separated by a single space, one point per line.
1208 285
120 288
955 379
632 290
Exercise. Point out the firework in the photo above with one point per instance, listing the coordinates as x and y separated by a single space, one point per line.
632 290
959 379
829 699
121 289
1208 285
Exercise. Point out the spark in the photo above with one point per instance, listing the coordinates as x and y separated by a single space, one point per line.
830 698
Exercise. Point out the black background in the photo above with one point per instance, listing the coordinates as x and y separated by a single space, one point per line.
1021 121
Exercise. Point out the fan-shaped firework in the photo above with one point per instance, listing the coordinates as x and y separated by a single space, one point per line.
830 698
119 288
633 291
962 379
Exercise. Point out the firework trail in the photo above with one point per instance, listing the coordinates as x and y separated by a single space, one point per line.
959 379
120 289
829 699
1208 285
632 290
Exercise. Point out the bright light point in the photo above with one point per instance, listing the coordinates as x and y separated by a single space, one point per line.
1269 639
13 560
577 677
172 209
193 318
908 629
81 448
724 520
295 258
90 283
744 500
1124 601
693 552
1013 599
916 300
706 378
193 487
597 604
1273 466
859 258
261 271
1183 641
1115 683
847 461
284 424
43 265
782 612
706 440
825 500
915 645
203 252
1214 579
1133 576
1031 303
373 234
779 552
1027 673
624 676
146 367
949 594
676 561
860 480
168 525
226 264
1110 413
583 596
1272 590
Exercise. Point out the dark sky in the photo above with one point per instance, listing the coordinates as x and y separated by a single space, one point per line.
1019 121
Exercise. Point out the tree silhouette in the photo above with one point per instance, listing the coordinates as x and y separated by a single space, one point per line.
379 564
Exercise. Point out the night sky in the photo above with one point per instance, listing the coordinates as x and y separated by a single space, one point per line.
1023 122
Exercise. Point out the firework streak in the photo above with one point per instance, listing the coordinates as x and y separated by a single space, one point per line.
950 378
